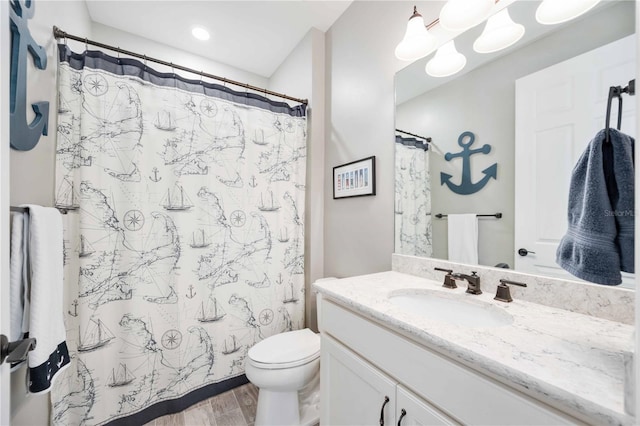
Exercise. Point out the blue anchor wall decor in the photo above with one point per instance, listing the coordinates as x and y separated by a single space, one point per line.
466 186
23 135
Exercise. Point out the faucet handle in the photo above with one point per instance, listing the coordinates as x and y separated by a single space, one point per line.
449 282
503 294
513 283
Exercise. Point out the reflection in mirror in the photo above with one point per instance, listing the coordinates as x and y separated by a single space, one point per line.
537 105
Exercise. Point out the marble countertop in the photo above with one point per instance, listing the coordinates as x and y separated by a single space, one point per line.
571 361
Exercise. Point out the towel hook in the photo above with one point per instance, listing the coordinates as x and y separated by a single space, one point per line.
614 92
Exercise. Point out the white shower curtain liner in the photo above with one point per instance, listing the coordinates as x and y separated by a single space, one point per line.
184 239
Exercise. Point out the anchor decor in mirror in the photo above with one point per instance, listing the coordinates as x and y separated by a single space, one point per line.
467 186
355 179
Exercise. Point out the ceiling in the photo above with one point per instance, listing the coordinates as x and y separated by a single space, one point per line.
255 36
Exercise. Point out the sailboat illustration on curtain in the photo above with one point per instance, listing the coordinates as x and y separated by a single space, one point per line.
177 200
66 197
199 240
85 249
291 299
96 336
234 348
121 377
258 138
270 205
212 313
164 121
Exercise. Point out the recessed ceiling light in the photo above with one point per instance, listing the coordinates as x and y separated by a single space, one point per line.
200 33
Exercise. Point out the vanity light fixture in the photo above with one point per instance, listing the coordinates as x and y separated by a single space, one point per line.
447 61
200 33
417 41
552 12
499 33
460 15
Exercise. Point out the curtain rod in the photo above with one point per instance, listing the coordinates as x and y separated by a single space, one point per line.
58 33
413 134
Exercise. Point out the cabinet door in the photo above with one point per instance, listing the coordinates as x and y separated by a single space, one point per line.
352 392
417 412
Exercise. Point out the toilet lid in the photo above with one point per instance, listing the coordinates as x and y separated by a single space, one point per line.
286 348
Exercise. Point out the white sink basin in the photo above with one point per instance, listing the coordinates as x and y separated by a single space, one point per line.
451 309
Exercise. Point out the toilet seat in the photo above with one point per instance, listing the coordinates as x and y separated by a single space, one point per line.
285 350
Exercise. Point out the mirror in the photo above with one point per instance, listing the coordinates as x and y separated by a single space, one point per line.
492 99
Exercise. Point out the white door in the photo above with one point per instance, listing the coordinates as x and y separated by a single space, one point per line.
4 202
353 392
558 111
412 410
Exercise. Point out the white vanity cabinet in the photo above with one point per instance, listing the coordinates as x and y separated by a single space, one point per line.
363 361
356 393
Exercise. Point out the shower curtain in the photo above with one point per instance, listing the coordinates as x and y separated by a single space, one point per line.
412 198
184 238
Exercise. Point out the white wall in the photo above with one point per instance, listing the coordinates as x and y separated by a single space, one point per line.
302 75
360 123
447 111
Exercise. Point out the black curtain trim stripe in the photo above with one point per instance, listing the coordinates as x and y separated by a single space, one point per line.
177 405
412 142
94 59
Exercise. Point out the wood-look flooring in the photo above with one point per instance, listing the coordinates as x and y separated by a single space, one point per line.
236 407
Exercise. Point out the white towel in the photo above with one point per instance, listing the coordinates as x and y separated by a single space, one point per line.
18 280
463 238
46 318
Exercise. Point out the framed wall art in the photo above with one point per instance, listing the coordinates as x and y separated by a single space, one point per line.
355 179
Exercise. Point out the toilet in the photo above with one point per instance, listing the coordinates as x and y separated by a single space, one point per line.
286 369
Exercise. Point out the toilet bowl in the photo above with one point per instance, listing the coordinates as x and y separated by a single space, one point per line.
286 369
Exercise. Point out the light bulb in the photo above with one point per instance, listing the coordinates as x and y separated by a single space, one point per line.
460 15
417 41
552 12
200 33
499 33
447 61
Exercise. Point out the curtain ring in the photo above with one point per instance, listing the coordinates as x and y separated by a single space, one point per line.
118 54
86 44
145 62
201 76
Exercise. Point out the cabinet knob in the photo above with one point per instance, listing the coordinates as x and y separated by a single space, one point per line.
386 401
402 414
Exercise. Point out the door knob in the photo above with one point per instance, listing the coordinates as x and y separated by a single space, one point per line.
15 351
524 252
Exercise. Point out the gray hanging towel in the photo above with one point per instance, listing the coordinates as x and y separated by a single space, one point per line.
599 241
622 197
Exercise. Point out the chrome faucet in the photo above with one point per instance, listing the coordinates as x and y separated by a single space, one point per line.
473 281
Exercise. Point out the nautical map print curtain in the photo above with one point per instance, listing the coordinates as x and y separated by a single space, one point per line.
413 198
184 238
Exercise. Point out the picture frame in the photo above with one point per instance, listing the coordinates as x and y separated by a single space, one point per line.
355 179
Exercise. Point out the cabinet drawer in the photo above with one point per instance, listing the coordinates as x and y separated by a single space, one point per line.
456 390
